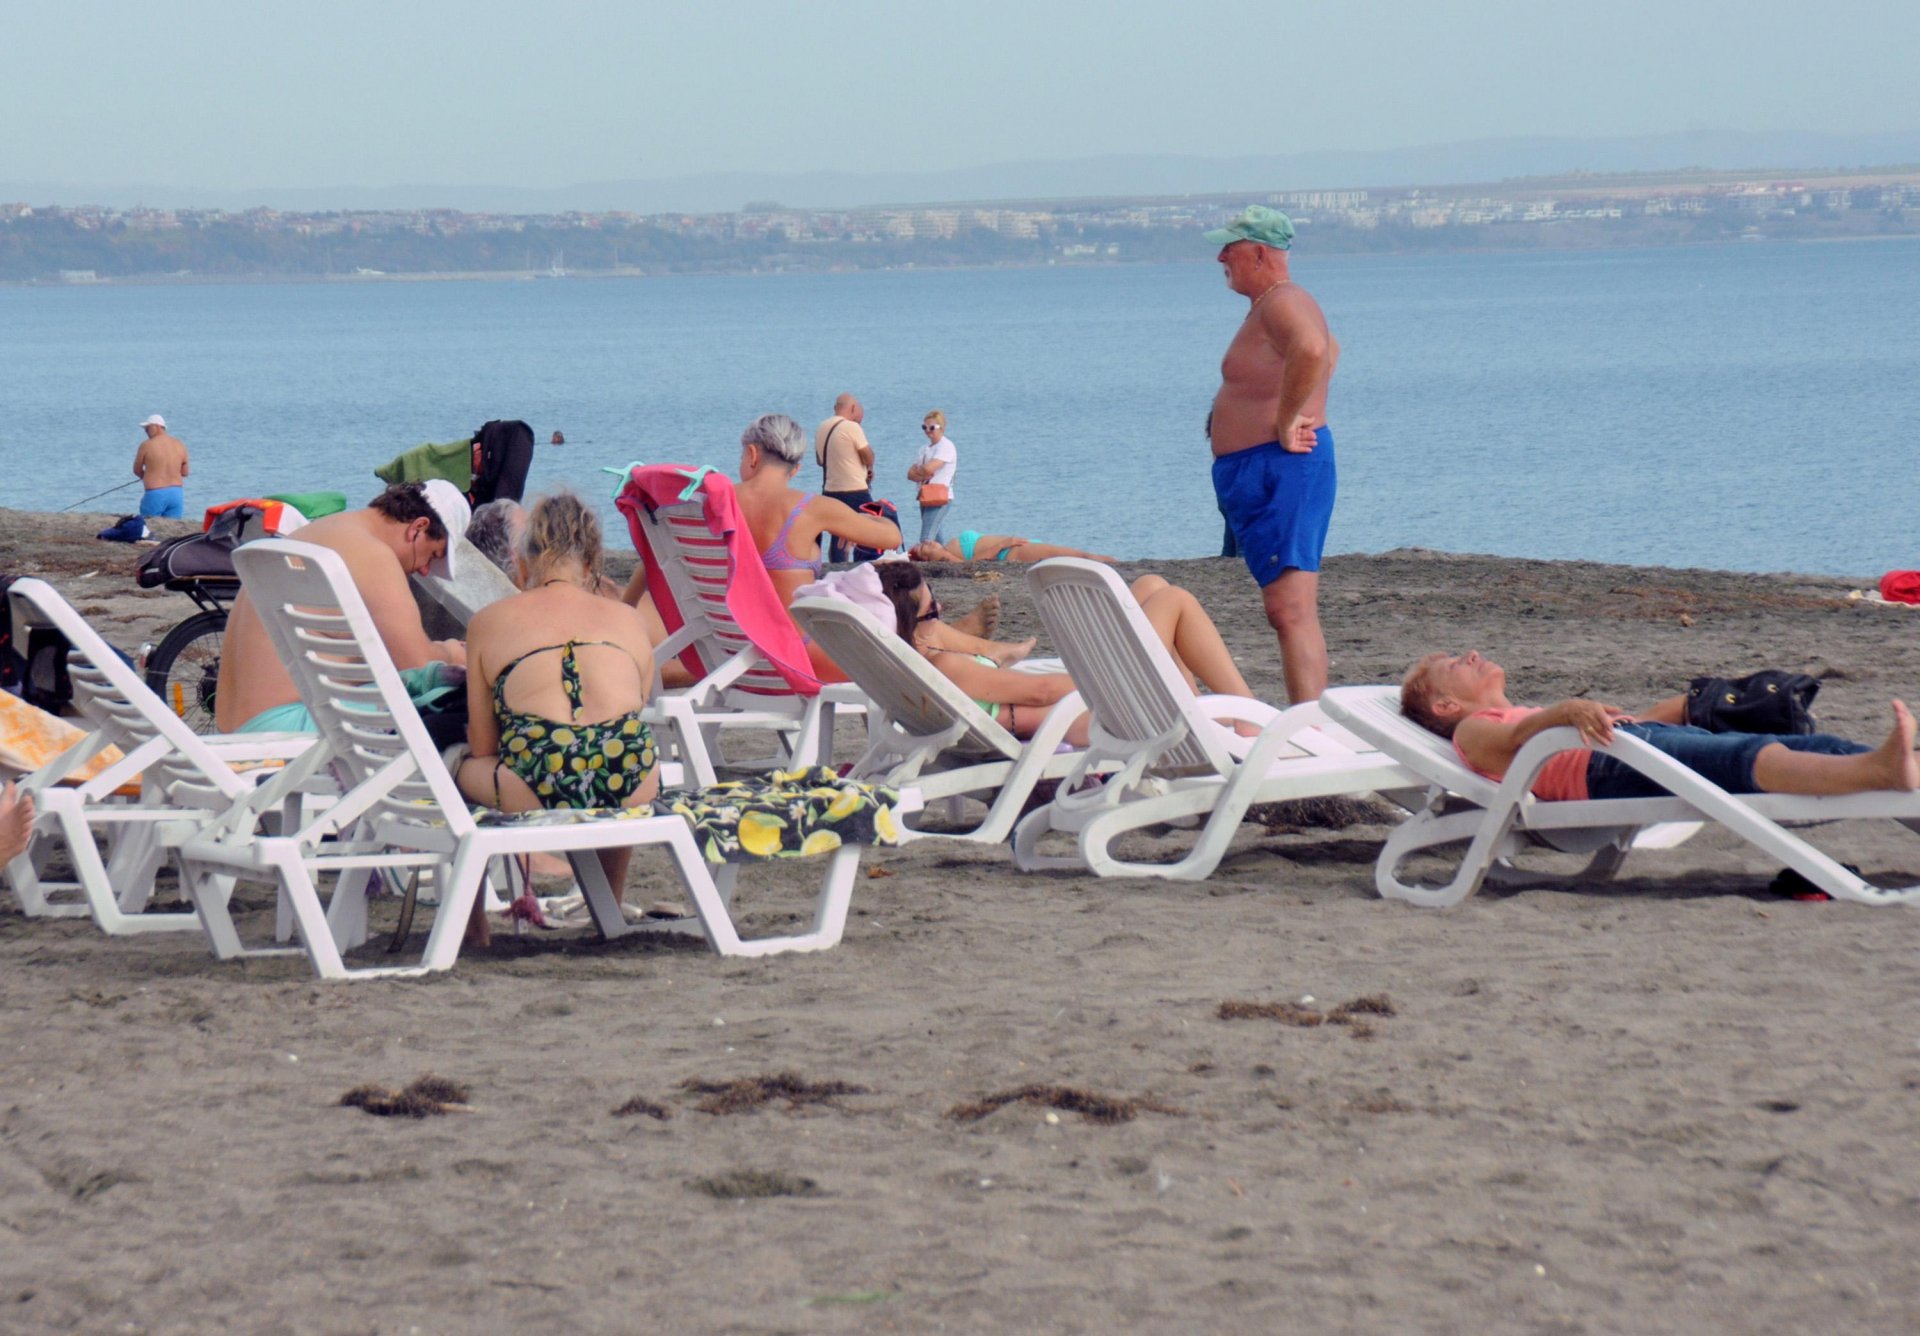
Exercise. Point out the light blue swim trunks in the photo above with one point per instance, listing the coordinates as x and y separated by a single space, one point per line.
165 503
281 719
430 685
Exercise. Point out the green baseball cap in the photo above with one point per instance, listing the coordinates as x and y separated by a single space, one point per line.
1259 224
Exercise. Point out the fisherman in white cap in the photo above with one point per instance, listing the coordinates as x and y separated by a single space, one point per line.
409 529
161 463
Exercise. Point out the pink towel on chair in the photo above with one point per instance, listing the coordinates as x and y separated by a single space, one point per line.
751 597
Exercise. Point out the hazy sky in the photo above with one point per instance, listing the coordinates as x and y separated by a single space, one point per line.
228 94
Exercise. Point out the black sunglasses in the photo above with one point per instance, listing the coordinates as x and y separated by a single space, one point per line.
929 426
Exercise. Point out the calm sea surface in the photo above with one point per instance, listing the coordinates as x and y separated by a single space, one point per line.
1752 407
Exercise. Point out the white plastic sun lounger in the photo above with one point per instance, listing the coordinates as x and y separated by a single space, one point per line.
1171 755
924 731
186 779
1498 819
744 690
400 807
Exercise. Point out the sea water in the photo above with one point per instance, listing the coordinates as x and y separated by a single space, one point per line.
1751 406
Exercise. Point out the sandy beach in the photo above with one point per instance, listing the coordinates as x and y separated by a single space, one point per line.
1670 1103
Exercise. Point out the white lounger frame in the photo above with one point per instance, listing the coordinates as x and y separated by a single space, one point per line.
742 690
186 780
401 808
924 731
1173 759
1498 819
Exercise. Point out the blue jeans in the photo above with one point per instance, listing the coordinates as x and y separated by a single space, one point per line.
1724 758
933 523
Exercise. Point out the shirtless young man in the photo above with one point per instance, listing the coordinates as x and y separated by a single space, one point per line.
161 463
405 531
1273 466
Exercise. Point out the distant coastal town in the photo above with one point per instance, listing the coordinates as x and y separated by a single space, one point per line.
79 244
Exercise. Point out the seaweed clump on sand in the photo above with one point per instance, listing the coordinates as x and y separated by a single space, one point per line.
751 1092
422 1098
640 1105
1326 813
1352 1014
1094 1107
739 1184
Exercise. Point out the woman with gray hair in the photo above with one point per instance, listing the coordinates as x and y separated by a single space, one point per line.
786 522
494 529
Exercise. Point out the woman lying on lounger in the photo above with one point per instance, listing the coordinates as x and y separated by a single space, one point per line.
1020 700
974 546
1464 697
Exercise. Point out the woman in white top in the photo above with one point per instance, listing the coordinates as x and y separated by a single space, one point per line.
935 466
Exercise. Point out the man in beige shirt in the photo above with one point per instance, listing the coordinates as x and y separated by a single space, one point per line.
840 445
161 463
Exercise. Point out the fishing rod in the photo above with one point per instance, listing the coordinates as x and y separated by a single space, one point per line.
97 495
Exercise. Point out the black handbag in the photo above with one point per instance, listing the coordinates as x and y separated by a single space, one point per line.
1769 701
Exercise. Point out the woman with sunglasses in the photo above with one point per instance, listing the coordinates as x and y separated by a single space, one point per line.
933 469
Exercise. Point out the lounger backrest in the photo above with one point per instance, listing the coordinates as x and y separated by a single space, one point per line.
698 568
480 583
1129 681
325 636
1373 713
909 690
112 697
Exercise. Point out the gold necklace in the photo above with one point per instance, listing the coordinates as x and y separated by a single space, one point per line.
1281 283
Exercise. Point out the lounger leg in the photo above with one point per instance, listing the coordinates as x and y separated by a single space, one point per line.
134 863
97 886
29 886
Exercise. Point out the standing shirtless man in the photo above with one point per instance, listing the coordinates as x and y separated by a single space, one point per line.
1272 453
161 463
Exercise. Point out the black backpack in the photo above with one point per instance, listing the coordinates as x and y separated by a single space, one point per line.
36 671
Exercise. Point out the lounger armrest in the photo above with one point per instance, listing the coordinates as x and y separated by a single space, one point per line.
1238 707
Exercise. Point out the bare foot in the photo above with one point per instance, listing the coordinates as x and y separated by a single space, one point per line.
16 823
982 620
1895 756
1008 654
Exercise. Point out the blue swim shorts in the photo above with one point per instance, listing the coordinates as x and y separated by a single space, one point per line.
1278 504
166 503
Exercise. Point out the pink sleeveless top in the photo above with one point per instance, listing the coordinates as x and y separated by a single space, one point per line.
1562 779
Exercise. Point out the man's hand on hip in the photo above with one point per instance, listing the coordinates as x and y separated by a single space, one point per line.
1297 437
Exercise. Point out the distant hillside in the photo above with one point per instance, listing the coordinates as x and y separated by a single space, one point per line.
1433 164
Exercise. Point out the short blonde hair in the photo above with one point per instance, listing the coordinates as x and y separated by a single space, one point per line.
561 525
935 415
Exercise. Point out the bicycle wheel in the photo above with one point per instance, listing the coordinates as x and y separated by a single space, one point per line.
185 668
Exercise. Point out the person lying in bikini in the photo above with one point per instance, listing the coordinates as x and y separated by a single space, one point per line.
1020 700
972 545
1463 697
556 679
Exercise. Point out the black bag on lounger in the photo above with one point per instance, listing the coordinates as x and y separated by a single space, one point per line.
1769 701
